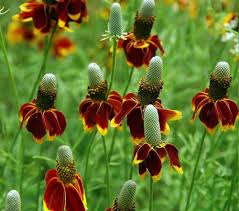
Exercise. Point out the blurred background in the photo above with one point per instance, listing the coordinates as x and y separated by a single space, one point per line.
195 39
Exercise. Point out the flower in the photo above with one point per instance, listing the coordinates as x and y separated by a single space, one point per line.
13 201
213 105
64 186
98 108
139 46
44 13
151 153
40 116
133 105
126 198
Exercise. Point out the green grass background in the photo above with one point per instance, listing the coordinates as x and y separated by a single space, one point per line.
191 54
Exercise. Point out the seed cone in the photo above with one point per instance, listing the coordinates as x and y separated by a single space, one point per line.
95 75
220 81
147 9
151 126
126 198
47 91
64 155
13 201
115 21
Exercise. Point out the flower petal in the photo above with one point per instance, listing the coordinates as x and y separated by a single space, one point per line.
54 197
89 119
142 153
115 100
162 153
26 111
234 109
142 169
102 117
50 175
84 106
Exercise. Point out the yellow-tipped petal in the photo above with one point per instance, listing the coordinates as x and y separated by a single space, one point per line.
75 17
178 169
102 131
113 123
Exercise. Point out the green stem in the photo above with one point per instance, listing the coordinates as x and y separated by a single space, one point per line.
112 144
113 64
151 195
129 80
107 170
45 56
22 149
195 169
87 159
131 168
39 180
12 79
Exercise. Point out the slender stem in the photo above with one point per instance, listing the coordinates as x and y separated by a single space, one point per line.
112 144
131 168
39 180
87 159
12 79
151 195
129 80
22 149
195 169
113 64
107 170
45 56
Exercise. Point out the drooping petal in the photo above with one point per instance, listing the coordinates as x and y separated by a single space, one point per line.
208 116
81 188
142 169
197 99
40 19
115 100
52 173
136 125
203 100
142 153
55 196
26 111
89 119
127 106
84 106
73 199
162 153
154 165
102 117
36 126
173 157
61 120
234 109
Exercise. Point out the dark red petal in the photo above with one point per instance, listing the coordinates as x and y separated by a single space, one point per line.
52 173
115 100
157 42
142 168
162 153
54 197
26 111
142 153
89 118
135 56
36 126
224 113
80 184
150 52
73 199
234 109
173 157
154 165
61 120
102 117
84 106
136 125
201 103
197 99
208 116
40 19
127 106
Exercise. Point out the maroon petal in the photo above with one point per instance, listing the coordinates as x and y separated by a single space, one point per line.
142 169
142 153
102 117
154 165
84 106
89 119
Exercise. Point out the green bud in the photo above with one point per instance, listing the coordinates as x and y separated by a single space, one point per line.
222 70
126 198
95 75
13 201
48 83
153 75
64 155
147 9
115 20
151 126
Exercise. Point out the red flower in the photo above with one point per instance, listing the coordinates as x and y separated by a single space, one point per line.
62 46
140 51
99 111
45 13
213 112
41 122
150 158
133 110
61 195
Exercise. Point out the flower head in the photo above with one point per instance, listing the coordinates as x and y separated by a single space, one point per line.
40 116
151 153
45 13
64 186
213 105
133 105
126 198
140 46
13 201
98 108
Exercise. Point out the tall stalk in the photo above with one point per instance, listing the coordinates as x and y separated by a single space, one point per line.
195 169
151 195
129 80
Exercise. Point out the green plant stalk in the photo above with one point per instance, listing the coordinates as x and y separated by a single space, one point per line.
107 171
131 168
112 144
22 150
45 56
113 64
87 159
10 72
151 195
129 80
195 169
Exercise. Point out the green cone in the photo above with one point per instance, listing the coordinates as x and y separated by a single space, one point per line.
95 75
64 155
13 201
147 9
48 83
222 70
115 20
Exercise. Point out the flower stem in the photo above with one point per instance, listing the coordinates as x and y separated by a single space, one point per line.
151 195
113 64
107 170
22 149
12 79
129 80
112 144
48 44
131 168
195 169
